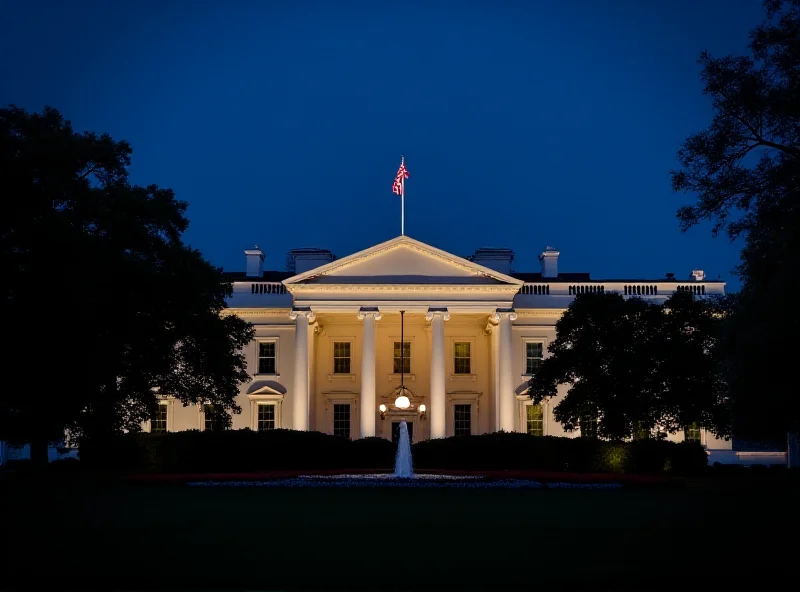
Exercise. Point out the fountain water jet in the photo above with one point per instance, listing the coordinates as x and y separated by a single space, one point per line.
403 467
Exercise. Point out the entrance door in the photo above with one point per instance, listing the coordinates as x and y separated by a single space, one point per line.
396 431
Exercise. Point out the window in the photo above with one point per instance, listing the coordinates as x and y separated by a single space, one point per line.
341 357
588 423
533 356
211 419
266 417
158 423
692 432
266 357
341 419
462 357
462 419
406 357
535 420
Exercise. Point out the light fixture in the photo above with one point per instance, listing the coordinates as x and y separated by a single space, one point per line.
422 410
382 409
402 402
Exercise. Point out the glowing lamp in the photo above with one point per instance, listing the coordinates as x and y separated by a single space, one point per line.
402 402
422 408
382 408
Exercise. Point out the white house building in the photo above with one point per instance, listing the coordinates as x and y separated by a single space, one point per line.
327 349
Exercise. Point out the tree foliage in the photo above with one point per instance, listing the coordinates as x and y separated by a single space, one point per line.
637 366
744 171
104 306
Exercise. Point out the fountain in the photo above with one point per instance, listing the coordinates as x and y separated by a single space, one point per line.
403 467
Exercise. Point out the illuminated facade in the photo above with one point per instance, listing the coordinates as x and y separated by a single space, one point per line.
327 355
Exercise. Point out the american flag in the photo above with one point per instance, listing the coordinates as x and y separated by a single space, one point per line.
402 173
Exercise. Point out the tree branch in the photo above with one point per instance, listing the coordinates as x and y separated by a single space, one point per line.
87 173
763 142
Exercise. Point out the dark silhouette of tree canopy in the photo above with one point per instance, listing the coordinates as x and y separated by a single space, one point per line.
638 367
104 306
744 170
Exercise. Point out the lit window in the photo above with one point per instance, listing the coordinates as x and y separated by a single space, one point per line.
533 357
462 420
462 358
158 423
266 417
692 432
535 420
266 357
341 357
211 419
341 419
406 357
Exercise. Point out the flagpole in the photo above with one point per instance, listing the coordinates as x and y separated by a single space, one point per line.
403 206
402 200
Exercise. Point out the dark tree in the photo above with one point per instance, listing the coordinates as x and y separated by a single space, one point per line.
104 307
638 367
744 170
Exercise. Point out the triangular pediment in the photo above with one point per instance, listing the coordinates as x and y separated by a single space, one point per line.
402 260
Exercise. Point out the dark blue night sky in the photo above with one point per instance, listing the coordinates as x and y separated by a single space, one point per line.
281 123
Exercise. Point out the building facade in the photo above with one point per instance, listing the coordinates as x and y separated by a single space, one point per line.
327 353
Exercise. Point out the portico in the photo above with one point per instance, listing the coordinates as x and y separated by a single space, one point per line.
448 303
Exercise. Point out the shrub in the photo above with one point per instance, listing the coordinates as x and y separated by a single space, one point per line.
233 451
513 451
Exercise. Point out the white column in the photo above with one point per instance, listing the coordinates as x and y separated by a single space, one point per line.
491 330
438 409
313 329
301 317
505 382
368 408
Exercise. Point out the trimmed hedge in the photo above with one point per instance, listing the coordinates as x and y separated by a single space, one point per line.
235 451
514 451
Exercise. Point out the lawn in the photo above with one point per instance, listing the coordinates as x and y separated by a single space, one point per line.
148 536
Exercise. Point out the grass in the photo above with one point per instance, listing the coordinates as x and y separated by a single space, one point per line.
102 532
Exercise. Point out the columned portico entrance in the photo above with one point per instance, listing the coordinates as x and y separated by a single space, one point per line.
446 354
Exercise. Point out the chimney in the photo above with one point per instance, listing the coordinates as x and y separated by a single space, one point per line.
255 262
497 258
549 261
302 260
698 275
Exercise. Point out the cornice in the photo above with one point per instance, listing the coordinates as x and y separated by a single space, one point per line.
552 312
500 289
256 312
